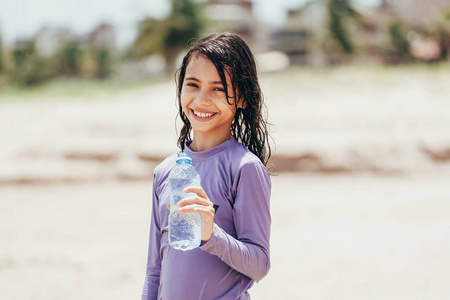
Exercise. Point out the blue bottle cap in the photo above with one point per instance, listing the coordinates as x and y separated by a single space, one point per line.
184 157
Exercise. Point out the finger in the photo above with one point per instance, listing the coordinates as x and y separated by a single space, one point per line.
168 206
207 212
196 189
194 200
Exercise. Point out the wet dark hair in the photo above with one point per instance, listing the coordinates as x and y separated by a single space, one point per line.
229 53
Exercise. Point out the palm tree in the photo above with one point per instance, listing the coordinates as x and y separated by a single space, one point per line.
339 13
1 56
170 35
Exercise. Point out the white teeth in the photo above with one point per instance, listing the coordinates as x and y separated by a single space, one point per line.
202 115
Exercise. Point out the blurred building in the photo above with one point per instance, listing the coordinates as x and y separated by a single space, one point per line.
103 36
415 11
50 40
301 30
304 35
418 16
299 36
238 16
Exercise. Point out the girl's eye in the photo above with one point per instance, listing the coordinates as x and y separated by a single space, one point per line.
219 89
192 85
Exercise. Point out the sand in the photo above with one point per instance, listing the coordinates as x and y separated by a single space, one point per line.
333 237
364 216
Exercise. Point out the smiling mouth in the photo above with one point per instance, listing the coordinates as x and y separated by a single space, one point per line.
202 115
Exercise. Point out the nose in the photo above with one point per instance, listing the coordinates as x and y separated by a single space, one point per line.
202 98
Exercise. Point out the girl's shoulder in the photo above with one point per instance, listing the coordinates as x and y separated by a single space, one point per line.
243 160
244 156
249 171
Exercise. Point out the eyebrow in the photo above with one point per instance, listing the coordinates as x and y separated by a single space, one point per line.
198 80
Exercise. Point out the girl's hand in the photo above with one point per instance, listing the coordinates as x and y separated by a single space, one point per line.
203 206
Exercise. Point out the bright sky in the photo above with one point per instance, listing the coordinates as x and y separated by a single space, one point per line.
23 18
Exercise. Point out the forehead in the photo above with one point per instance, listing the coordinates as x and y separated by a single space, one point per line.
203 68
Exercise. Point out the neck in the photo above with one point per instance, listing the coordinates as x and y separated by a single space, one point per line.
203 142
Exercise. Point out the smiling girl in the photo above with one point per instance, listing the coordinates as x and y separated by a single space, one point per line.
225 133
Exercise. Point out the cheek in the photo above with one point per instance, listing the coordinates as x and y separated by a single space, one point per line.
228 107
184 103
183 98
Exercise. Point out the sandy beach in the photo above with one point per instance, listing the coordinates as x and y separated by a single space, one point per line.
360 202
333 237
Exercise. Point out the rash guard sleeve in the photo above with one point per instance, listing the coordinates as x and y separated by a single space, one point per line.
151 283
248 253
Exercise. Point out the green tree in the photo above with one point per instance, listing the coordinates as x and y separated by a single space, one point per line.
398 35
340 15
338 12
441 31
170 35
2 65
29 67
104 60
69 59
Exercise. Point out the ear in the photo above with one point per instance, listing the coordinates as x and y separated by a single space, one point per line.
241 103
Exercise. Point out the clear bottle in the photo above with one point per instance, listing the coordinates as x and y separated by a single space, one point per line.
184 229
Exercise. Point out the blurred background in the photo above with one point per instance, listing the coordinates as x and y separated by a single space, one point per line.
358 93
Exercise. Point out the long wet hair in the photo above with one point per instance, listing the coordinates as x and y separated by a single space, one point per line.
229 53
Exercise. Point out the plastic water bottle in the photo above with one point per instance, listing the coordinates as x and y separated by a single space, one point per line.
184 229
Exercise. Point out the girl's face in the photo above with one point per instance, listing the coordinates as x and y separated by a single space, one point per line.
203 99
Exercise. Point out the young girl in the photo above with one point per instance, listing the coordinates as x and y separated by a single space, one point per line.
220 104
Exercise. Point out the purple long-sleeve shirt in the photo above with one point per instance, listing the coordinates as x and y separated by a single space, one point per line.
237 254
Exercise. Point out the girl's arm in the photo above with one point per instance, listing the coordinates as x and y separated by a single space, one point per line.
249 253
151 284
